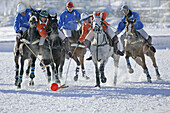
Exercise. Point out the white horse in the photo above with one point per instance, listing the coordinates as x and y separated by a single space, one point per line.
101 51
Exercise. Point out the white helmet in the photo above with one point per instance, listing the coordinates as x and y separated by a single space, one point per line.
21 8
84 16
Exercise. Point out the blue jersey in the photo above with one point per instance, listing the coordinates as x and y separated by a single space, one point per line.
22 20
138 24
69 20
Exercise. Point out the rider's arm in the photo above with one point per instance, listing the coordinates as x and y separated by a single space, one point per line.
78 15
121 26
85 29
16 23
104 15
61 20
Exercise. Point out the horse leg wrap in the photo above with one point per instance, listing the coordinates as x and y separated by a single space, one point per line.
146 72
32 75
128 64
77 70
157 73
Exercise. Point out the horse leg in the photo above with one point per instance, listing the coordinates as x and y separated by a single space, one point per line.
28 68
16 68
82 68
146 69
32 75
55 73
151 55
97 76
21 72
116 65
77 68
128 64
62 63
48 74
103 78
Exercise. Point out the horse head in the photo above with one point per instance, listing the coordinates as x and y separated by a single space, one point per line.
130 28
97 23
52 26
34 17
100 37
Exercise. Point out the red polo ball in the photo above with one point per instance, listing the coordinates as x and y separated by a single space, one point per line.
54 87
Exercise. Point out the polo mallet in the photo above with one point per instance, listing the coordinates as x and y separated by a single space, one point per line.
70 63
44 66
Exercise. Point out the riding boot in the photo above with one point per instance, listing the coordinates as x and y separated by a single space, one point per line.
67 46
87 43
149 40
115 45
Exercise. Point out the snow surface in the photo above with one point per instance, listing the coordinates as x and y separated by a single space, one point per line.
131 95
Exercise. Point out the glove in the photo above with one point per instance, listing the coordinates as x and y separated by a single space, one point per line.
19 34
116 33
78 42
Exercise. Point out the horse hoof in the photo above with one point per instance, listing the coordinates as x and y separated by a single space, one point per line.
158 77
131 70
19 86
31 83
76 78
97 86
103 80
87 77
149 79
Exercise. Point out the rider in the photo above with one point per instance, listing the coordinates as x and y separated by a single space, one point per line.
69 19
87 29
21 23
138 25
42 29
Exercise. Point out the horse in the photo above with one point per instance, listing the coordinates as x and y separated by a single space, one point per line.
101 51
136 47
78 52
53 53
29 42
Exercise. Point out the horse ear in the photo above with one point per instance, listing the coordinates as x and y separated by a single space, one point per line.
55 15
126 19
49 16
31 8
134 20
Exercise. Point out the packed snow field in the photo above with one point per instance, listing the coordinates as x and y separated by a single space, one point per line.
131 95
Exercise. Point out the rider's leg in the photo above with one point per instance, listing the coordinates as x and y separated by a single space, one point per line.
148 39
115 40
87 42
67 40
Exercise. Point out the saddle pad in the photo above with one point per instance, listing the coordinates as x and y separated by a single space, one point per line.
76 45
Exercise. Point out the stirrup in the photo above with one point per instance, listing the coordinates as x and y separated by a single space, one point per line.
90 58
120 53
152 49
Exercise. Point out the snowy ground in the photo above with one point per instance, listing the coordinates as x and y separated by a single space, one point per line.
131 95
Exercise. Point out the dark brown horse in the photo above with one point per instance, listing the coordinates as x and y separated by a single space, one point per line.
78 52
31 39
136 47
